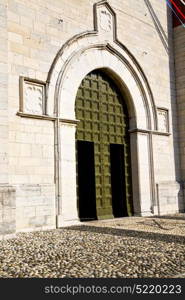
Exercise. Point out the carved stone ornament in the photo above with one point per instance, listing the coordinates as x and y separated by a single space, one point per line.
163 120
33 98
105 20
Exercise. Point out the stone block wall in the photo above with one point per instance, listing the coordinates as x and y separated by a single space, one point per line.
35 207
179 49
32 32
7 211
31 151
169 200
3 93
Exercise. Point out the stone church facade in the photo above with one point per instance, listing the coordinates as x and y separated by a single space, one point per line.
92 112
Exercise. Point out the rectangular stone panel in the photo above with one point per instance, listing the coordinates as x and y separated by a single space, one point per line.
32 96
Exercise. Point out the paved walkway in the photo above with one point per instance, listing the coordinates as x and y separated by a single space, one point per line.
128 248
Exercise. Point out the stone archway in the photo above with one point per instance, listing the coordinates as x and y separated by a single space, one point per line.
140 123
100 49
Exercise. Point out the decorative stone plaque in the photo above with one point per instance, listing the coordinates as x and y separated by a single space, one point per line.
105 20
163 122
33 98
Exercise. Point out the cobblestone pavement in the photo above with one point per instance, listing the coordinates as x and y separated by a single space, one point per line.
130 248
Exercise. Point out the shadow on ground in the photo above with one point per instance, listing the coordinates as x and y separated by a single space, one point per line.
170 217
130 233
155 225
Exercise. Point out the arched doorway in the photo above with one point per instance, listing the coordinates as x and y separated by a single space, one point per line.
102 149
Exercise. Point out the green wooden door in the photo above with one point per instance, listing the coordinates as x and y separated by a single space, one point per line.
104 121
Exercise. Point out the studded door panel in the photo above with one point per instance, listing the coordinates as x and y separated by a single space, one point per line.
103 120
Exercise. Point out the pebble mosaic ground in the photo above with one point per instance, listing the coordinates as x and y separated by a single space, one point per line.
127 248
